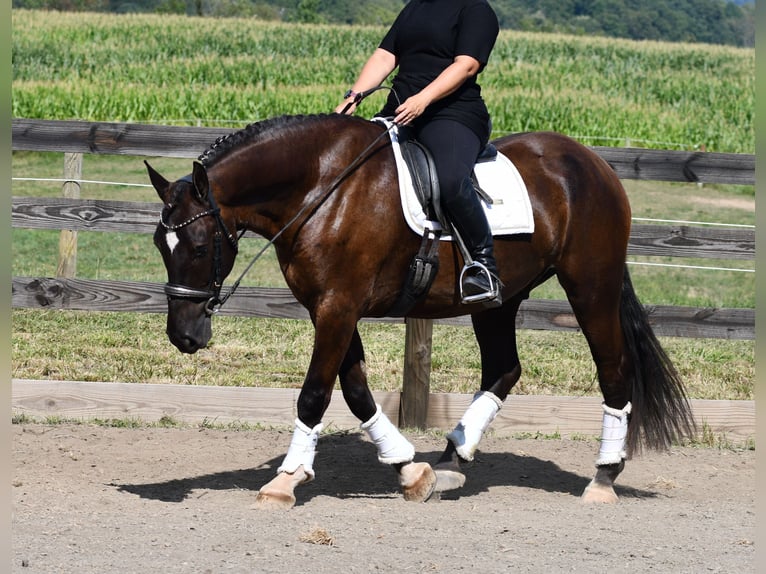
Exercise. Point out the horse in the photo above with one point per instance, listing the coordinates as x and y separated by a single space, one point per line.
323 189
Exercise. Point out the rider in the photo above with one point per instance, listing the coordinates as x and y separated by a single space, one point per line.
440 46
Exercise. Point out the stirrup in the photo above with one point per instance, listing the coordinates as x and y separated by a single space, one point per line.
492 295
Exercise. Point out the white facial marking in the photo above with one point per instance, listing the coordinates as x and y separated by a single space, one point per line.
172 240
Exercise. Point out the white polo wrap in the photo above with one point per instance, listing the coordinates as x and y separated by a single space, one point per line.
393 448
477 417
302 449
613 432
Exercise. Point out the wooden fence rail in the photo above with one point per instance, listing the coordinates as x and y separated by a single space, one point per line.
565 416
180 141
276 303
141 217
74 214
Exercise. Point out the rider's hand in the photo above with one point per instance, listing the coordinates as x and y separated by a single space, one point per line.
343 106
412 108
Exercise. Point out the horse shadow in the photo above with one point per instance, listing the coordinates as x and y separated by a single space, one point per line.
347 467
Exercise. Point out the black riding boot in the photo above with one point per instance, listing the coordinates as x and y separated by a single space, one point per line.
479 280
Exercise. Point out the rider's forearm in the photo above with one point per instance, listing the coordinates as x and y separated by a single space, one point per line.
377 68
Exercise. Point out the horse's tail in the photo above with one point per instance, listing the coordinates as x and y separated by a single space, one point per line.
660 414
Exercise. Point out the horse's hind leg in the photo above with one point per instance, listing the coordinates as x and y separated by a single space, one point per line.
597 308
416 479
495 331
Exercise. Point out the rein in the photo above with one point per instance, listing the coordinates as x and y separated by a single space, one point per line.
362 95
324 195
215 301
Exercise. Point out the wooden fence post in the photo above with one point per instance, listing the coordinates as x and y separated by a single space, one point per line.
413 407
67 265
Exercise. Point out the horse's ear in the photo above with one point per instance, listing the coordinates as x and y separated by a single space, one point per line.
160 183
200 180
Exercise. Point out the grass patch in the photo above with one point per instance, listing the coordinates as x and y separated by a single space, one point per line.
537 435
132 347
708 438
137 423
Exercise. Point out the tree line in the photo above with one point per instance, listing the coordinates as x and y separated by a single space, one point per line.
706 21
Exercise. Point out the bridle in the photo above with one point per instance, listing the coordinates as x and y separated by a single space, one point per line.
213 291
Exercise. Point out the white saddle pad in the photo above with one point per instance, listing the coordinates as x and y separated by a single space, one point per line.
510 213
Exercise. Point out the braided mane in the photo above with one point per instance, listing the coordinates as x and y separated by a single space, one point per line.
224 144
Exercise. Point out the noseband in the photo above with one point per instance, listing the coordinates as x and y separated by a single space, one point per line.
213 291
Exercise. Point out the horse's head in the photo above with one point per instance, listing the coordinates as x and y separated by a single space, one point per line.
198 250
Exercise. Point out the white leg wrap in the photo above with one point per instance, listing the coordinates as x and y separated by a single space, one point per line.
302 449
393 448
477 417
613 433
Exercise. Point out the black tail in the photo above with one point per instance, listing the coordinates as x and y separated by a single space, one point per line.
661 414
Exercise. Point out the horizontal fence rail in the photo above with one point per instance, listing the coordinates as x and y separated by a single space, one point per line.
75 214
142 217
138 217
565 416
180 141
278 303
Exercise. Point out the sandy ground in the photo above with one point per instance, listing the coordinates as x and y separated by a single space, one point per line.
93 499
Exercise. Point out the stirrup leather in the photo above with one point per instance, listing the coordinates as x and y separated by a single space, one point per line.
494 284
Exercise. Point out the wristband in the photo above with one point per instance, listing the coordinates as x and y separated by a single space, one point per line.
349 94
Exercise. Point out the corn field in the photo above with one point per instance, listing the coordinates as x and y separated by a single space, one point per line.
177 69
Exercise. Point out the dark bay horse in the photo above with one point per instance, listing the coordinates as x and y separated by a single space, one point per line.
325 190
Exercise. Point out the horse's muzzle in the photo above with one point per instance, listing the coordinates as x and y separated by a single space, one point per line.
186 344
189 328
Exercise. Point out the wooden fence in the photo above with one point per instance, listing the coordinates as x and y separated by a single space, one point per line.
70 214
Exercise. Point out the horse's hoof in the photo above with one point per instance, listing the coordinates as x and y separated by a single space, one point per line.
417 480
596 493
274 500
278 493
448 479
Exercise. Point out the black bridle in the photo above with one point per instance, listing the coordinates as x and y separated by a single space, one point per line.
213 291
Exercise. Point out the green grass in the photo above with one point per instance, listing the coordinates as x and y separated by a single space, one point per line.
132 347
707 438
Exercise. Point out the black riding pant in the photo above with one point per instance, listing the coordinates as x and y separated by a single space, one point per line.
454 148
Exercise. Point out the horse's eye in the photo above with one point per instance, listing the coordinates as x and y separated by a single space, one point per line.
200 251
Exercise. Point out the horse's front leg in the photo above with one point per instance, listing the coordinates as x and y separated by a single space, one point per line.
416 479
332 335
328 361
